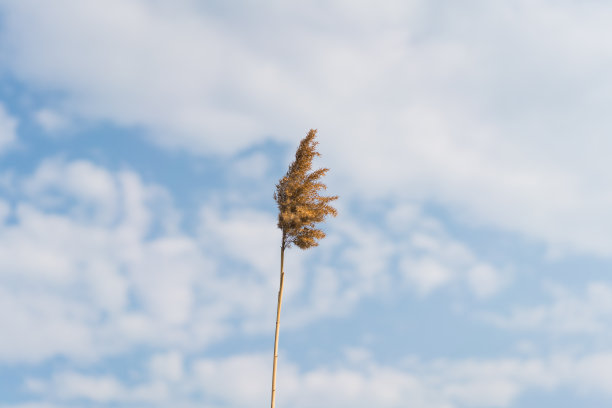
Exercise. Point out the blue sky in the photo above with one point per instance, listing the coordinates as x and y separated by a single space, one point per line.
140 142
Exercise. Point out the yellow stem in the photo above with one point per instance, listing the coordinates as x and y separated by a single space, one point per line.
278 310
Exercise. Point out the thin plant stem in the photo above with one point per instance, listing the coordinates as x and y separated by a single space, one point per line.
278 310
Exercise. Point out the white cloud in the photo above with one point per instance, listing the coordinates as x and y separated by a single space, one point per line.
8 129
5 210
402 216
168 366
99 389
594 373
427 274
430 258
567 313
82 269
252 167
484 280
237 381
56 182
88 265
245 372
138 60
247 235
491 125
50 120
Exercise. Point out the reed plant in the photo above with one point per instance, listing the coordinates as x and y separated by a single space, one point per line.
300 209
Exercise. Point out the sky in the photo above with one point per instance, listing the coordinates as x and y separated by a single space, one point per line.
468 266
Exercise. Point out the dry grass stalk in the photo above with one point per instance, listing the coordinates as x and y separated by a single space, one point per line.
300 208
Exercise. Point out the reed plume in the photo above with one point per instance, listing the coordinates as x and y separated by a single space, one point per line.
300 208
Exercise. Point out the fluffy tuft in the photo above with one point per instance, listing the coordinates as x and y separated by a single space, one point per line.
300 207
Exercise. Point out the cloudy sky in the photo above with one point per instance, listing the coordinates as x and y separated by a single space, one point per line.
469 265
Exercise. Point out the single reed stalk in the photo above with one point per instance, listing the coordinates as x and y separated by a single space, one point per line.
300 208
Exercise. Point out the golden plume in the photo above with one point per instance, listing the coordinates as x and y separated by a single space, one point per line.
300 206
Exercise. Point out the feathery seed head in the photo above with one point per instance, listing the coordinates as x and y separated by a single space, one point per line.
297 195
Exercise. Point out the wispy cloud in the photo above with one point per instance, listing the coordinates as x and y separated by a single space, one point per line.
446 127
426 101
439 383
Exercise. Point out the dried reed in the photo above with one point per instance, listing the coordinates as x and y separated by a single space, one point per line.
300 208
